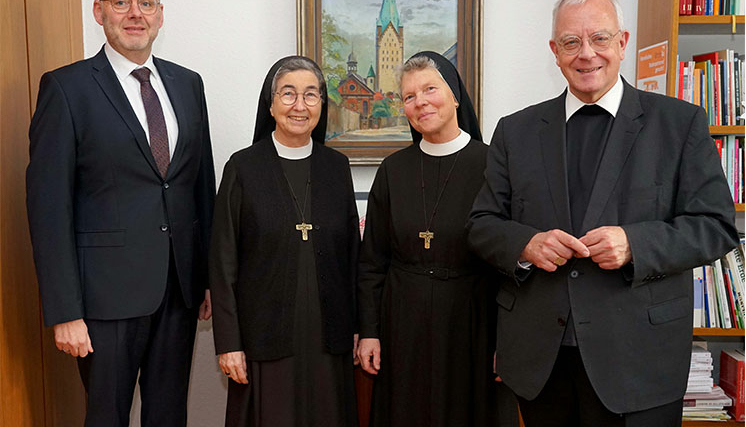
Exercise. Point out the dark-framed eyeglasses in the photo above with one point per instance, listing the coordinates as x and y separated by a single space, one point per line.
147 7
310 97
599 42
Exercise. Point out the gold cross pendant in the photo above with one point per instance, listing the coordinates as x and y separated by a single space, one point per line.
427 235
304 229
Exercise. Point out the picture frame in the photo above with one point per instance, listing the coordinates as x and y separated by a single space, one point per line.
357 128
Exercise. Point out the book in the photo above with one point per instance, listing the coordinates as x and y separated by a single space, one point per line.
699 293
732 381
699 7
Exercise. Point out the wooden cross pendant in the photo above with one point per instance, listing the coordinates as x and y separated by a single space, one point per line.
427 235
304 229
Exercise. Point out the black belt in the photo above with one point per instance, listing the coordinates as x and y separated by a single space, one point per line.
439 273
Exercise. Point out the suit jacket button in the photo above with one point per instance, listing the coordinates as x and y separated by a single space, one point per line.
164 227
574 274
562 322
165 185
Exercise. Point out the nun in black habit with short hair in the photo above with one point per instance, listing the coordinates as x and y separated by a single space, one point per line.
425 304
283 263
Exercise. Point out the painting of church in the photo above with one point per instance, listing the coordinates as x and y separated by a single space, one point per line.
363 44
354 90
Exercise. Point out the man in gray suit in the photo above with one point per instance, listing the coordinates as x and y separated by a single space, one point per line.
596 206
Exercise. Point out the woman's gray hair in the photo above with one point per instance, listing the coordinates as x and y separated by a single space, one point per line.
297 64
415 63
562 3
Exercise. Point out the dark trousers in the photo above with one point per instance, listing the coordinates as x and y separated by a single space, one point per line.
568 400
158 346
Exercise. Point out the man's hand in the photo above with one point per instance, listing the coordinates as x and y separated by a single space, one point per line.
609 247
72 338
369 353
233 364
205 309
551 249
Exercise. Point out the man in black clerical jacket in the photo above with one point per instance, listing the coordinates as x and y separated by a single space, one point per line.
120 194
596 206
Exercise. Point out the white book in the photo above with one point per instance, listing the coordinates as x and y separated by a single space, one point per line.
722 294
734 261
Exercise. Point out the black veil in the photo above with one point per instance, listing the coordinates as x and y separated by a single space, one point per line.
467 118
265 123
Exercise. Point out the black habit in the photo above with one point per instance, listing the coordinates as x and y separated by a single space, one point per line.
432 309
286 303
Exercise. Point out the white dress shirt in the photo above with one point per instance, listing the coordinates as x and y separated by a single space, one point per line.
609 102
123 68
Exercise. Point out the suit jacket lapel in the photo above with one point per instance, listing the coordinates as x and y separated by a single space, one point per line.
104 75
624 131
175 95
552 140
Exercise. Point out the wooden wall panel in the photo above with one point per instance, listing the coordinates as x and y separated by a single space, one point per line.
55 38
38 385
21 367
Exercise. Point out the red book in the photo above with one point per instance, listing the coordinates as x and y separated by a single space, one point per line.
712 57
680 89
732 381
682 7
699 7
689 7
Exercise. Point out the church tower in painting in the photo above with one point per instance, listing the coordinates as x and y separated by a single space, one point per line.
389 47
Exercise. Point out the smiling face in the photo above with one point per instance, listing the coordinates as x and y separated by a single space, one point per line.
295 122
130 33
589 74
429 105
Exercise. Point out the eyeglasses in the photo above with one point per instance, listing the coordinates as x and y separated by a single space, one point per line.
147 7
289 97
599 42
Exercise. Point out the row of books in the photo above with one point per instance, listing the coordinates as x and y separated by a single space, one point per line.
704 400
731 151
714 81
732 381
719 292
711 7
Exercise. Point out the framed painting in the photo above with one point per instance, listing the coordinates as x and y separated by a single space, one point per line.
360 43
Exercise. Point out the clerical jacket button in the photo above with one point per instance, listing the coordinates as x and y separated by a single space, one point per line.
164 227
165 185
561 322
574 274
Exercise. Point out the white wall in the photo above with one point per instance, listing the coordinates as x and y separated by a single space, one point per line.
232 44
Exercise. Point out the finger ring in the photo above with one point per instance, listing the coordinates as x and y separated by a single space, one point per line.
559 260
228 374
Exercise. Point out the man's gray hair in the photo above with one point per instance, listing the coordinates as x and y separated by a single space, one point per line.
562 3
416 63
297 64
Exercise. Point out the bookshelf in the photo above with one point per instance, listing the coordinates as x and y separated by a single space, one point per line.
659 21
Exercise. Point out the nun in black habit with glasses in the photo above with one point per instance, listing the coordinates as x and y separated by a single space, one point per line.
283 263
425 303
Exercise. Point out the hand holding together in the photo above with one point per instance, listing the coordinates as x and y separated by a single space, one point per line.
233 364
72 338
367 349
551 249
609 247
